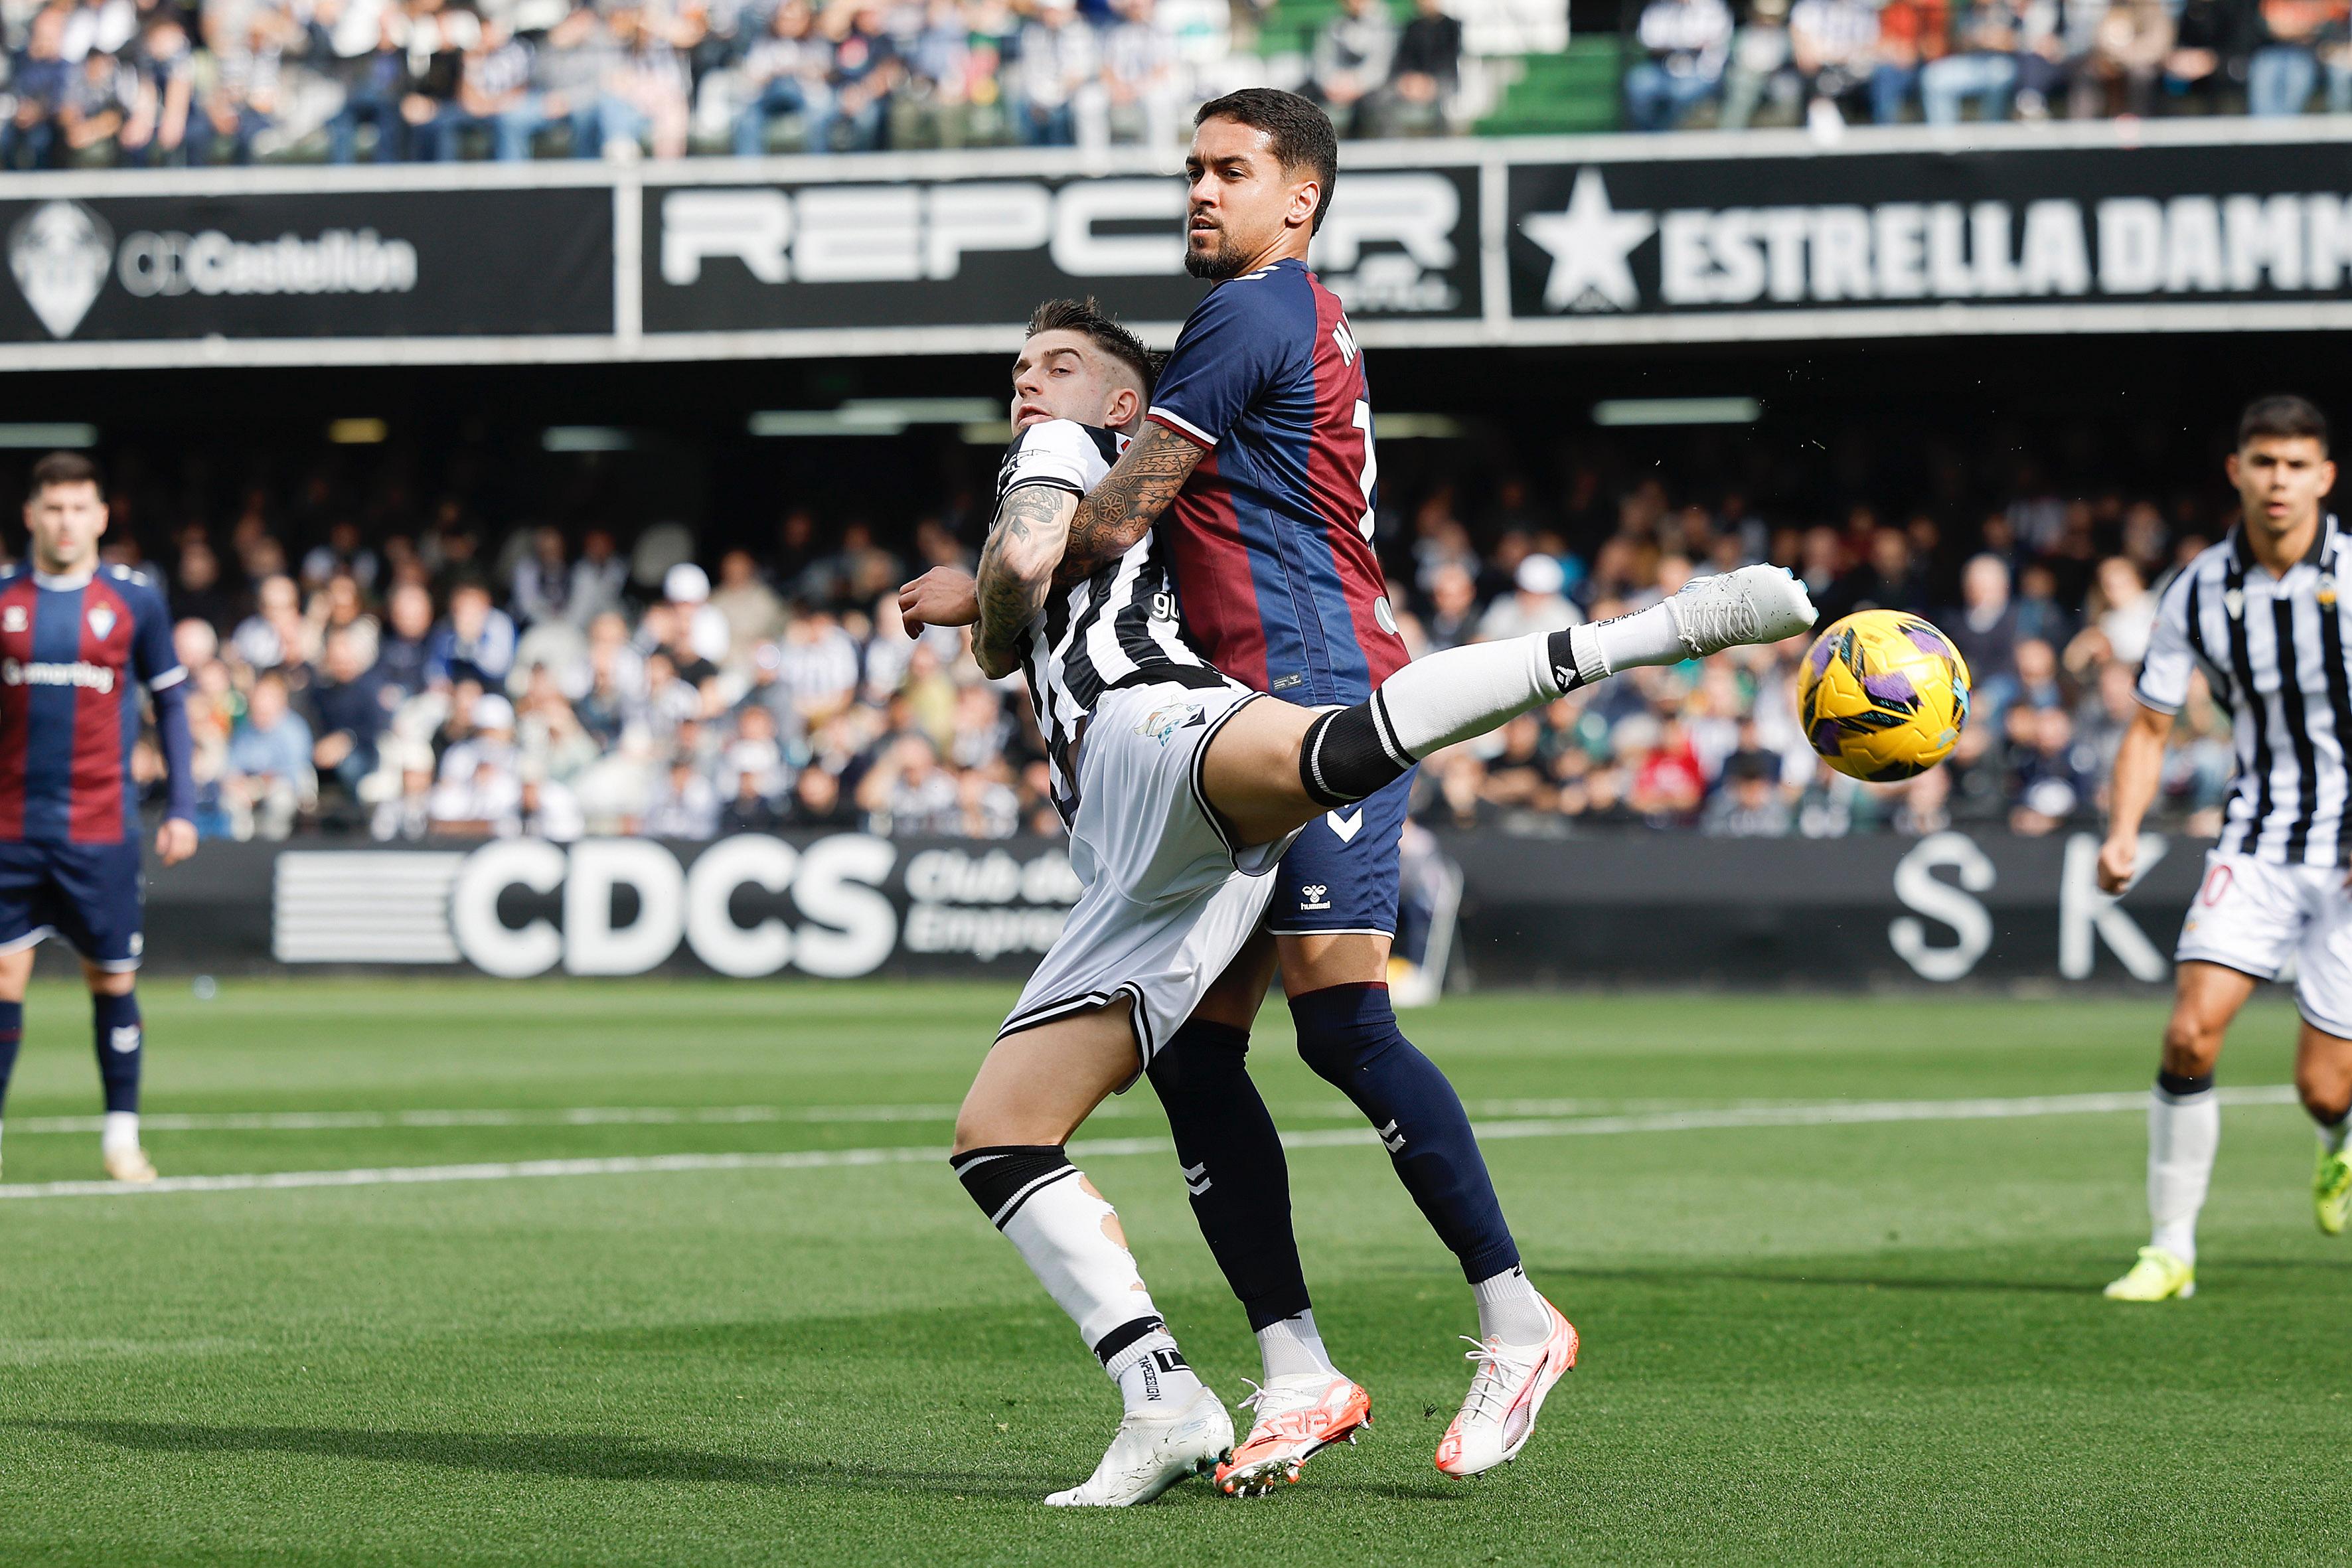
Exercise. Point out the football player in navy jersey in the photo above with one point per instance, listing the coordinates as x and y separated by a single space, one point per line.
78 642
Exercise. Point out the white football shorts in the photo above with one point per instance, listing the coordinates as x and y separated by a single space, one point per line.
1168 902
2253 915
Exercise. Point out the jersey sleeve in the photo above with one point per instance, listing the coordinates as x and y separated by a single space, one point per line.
1059 452
2171 658
1232 346
154 659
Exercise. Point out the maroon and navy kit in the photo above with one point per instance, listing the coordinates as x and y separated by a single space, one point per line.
1270 544
74 653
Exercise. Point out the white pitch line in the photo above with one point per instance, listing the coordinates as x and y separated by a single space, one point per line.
1825 1114
725 1115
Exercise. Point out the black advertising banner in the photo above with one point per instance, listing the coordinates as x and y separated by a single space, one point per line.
982 252
1636 909
321 264
2018 226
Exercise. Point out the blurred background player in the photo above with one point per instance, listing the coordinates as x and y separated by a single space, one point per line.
2261 615
76 642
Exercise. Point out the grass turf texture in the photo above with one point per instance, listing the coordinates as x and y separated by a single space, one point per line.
1874 1342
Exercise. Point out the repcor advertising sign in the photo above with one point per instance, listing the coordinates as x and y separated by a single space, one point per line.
940 253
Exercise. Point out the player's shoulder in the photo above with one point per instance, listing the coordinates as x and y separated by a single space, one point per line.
1060 452
133 584
1272 297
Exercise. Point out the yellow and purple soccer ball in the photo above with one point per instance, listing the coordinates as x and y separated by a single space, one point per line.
1883 696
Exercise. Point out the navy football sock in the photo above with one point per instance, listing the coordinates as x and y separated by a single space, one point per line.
1348 1034
1234 1167
12 1034
119 1038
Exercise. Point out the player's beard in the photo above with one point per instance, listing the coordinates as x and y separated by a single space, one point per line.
1225 261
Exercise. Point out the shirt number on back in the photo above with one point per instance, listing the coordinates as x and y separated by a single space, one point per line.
1372 472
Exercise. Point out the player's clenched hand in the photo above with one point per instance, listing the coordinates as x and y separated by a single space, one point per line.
942 597
176 840
2118 859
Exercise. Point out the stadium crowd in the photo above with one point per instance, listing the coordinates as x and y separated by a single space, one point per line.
164 82
147 83
1833 61
450 678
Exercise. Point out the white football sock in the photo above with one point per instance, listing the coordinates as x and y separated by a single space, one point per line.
1449 697
1070 1237
1510 1311
2183 1133
1290 1347
1153 1374
1646 636
121 1133
2332 1134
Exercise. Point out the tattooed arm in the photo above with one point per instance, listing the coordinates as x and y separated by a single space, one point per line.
1016 571
1122 509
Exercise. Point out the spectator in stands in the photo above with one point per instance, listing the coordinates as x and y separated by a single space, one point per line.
568 75
1889 580
275 635
492 97
1140 91
1981 68
97 105
1984 625
647 89
349 707
2285 65
1059 57
752 613
1537 601
479 792
1748 805
1687 44
2129 47
2212 40
866 68
1911 33
39 79
475 642
1424 73
783 75
1834 46
1761 65
684 805
268 778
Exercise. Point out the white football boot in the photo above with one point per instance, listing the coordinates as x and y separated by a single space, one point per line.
1506 1393
1753 605
1150 1453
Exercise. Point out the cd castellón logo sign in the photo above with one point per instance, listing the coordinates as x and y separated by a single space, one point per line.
61 253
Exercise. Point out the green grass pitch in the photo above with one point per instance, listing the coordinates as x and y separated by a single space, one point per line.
1869 1342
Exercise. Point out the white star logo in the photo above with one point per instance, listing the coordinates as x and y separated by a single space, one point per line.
1590 245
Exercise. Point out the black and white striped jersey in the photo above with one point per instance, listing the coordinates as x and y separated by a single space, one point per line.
1110 629
2272 649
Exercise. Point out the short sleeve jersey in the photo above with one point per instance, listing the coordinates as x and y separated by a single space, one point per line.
1117 626
1270 540
73 652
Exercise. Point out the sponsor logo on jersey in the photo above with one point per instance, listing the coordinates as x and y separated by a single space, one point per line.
60 253
101 621
18 672
1314 895
1162 722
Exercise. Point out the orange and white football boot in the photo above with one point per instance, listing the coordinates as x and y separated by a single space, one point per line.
1506 1393
1298 1415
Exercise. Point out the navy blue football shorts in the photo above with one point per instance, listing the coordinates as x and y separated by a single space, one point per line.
93 895
1341 875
